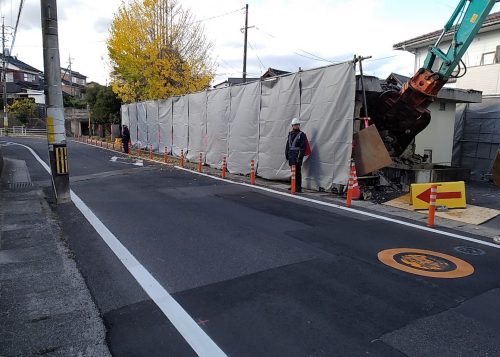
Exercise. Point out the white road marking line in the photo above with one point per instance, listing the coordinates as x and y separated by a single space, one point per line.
352 210
199 341
123 160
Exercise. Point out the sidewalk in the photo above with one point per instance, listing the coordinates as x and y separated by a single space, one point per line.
45 306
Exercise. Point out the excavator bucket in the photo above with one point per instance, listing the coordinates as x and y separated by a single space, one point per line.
369 151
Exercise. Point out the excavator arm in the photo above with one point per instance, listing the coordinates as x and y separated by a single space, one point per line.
400 116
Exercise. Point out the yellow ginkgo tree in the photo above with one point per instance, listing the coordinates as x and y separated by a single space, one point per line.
157 50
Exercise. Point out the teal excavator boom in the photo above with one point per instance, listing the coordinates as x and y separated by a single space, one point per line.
400 116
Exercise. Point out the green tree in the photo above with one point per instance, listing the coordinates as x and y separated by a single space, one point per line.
104 105
157 50
23 110
91 93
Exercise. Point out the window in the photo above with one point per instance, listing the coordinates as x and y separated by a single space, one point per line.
488 58
79 81
9 77
442 106
28 77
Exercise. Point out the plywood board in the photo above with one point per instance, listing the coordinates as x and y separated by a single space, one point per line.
369 151
471 215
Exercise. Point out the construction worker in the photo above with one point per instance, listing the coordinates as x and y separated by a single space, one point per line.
125 138
296 145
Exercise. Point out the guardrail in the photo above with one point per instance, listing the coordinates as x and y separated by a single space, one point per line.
22 131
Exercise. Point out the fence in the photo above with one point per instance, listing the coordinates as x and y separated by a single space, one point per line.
251 122
22 131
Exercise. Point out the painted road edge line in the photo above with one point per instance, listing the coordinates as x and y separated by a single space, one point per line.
199 341
343 208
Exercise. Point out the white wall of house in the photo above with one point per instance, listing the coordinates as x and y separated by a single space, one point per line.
483 78
482 60
438 136
38 95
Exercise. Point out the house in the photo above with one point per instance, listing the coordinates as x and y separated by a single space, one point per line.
73 83
476 133
233 81
436 141
273 72
23 80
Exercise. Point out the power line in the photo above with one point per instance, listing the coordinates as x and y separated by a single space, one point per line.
17 24
217 16
383 58
313 56
262 67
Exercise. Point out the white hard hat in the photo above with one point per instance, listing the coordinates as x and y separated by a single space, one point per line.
295 121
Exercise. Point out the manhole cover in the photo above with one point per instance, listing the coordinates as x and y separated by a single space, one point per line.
425 263
469 250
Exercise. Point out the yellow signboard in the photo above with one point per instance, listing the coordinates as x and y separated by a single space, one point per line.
449 194
51 136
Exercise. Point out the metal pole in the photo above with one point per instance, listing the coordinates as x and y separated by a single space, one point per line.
245 46
4 82
365 104
56 133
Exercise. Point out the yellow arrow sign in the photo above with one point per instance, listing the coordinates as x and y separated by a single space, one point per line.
449 194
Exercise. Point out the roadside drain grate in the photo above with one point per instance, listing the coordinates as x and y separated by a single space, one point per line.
20 185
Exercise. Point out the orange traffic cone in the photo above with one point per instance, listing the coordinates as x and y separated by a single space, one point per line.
356 193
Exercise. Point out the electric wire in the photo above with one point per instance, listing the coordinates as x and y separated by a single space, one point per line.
311 55
217 16
21 4
262 67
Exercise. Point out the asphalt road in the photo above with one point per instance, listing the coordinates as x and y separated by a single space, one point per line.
268 275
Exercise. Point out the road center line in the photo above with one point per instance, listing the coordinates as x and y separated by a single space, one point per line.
352 210
199 341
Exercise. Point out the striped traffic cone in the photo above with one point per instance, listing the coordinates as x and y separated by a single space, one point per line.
356 193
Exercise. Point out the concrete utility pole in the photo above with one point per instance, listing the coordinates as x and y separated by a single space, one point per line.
56 132
4 82
70 76
245 46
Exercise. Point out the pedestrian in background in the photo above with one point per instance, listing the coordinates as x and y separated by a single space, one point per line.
125 138
297 147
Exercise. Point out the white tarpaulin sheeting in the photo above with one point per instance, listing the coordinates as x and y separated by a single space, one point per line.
125 118
327 107
165 119
132 116
197 137
252 121
280 103
142 124
180 125
218 109
153 124
243 139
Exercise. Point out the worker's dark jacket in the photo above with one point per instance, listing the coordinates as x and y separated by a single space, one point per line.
295 147
125 134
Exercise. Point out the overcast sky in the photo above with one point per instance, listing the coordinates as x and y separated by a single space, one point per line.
285 34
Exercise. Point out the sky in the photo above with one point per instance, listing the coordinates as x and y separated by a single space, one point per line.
284 34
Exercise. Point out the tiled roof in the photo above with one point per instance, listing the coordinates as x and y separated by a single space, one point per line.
273 72
73 73
21 65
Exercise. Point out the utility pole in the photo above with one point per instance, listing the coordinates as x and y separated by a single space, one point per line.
70 76
245 46
56 132
4 82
